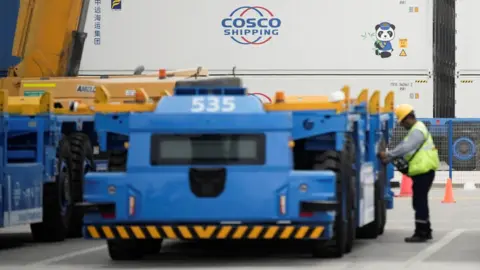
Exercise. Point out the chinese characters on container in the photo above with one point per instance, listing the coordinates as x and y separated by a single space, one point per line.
97 22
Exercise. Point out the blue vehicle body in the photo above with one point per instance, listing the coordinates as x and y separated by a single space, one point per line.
157 192
38 164
26 166
29 149
29 142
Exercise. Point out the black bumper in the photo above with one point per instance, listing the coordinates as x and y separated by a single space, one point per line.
97 208
318 206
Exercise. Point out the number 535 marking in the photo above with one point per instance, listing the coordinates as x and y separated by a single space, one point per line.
213 104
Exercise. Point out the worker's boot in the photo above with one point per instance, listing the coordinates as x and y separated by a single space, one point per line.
417 238
429 230
422 234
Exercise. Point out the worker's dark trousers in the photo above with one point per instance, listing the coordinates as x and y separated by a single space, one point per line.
421 186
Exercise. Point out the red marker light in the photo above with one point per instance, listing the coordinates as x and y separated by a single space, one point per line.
306 214
108 215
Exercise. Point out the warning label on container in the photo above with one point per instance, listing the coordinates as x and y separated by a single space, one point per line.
413 9
403 53
401 86
403 43
414 95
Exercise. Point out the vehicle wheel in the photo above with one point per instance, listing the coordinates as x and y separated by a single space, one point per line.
117 161
350 174
337 162
382 179
151 247
82 162
57 200
125 250
380 207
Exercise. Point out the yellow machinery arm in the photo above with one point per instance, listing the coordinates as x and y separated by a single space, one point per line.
49 37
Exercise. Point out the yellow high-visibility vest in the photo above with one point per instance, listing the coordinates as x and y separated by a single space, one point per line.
426 159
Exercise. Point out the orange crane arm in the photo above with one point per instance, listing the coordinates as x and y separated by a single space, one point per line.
49 37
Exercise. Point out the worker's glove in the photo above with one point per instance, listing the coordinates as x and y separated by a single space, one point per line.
383 157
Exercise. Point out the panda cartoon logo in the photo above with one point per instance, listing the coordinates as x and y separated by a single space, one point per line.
385 33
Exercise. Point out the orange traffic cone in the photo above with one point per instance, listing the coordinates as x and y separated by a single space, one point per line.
405 187
448 198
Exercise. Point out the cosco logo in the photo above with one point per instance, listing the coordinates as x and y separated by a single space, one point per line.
251 23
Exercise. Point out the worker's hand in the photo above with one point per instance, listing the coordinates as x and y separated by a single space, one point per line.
383 157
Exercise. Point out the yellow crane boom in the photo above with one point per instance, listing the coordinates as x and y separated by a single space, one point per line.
49 37
49 40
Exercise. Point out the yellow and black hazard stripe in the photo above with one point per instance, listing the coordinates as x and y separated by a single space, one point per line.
466 81
186 232
421 81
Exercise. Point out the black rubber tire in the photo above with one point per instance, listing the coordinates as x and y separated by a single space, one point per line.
125 250
337 162
382 179
152 247
54 227
117 161
81 153
350 174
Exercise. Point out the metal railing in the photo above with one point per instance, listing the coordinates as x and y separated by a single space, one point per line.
458 144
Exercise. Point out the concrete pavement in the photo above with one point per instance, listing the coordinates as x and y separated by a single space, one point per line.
456 245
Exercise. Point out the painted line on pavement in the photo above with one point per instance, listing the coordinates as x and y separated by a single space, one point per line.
433 248
441 198
67 256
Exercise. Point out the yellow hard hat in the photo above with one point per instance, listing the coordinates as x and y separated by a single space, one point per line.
402 111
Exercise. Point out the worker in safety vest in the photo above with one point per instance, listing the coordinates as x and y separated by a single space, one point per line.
417 157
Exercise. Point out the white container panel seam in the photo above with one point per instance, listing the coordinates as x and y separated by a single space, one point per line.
414 90
467 54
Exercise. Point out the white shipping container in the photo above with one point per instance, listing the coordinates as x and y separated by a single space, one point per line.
466 103
414 90
467 54
261 37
